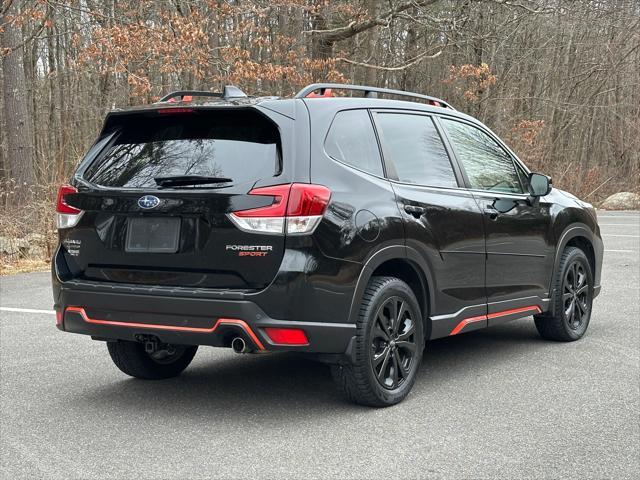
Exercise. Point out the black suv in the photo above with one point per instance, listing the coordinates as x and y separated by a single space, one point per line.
351 229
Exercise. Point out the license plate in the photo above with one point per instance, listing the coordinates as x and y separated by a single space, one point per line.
153 234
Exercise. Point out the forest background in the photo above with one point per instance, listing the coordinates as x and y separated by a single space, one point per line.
559 80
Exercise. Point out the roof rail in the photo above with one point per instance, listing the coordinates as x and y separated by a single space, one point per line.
369 92
228 92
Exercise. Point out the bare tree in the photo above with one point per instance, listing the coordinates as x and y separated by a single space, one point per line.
18 126
559 79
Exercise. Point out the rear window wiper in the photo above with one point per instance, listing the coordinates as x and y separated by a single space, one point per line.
186 180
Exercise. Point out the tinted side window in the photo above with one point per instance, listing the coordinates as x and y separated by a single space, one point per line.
487 165
351 140
416 149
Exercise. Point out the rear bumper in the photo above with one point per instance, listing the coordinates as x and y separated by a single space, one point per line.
187 321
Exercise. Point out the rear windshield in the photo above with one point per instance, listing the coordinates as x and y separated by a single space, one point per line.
241 145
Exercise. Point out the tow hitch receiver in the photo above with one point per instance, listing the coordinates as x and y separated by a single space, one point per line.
151 343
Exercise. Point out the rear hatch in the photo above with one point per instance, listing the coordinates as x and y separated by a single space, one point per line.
157 194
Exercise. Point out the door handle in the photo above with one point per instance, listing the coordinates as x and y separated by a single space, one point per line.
491 212
414 210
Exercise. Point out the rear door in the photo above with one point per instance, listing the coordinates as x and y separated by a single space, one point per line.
136 231
519 247
442 221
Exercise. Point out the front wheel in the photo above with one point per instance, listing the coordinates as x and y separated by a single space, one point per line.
388 345
573 298
166 362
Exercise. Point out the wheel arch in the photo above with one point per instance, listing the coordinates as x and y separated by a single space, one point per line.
403 263
579 236
586 246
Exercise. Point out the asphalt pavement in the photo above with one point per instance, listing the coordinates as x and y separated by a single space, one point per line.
498 403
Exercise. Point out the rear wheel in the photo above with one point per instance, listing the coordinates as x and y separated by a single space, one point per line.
573 298
166 362
388 347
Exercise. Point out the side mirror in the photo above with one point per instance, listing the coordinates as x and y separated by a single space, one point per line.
539 185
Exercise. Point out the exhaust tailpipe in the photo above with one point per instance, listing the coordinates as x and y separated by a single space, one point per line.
239 345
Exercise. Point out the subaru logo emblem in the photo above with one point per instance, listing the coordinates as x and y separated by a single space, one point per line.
148 201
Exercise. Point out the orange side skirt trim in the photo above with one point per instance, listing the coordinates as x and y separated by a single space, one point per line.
504 313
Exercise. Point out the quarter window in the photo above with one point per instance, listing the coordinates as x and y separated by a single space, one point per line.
488 165
351 140
415 149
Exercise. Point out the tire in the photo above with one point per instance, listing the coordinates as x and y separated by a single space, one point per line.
361 381
132 359
573 287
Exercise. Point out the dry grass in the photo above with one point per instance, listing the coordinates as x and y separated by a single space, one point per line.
33 212
28 230
23 265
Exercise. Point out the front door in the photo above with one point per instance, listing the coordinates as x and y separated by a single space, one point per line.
519 248
442 220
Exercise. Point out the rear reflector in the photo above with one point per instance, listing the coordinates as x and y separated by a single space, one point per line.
66 215
287 336
295 209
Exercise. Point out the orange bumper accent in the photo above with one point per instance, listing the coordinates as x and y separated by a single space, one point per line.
221 321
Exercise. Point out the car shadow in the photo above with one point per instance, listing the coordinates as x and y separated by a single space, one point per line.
286 386
452 358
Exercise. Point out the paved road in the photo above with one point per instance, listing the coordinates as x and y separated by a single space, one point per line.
497 403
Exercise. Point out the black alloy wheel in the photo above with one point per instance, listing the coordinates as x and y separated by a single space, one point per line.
393 344
570 314
575 295
388 345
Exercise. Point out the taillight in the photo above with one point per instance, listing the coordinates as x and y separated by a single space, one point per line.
295 209
174 111
66 215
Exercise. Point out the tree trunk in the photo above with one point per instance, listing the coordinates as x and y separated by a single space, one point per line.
371 75
18 129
